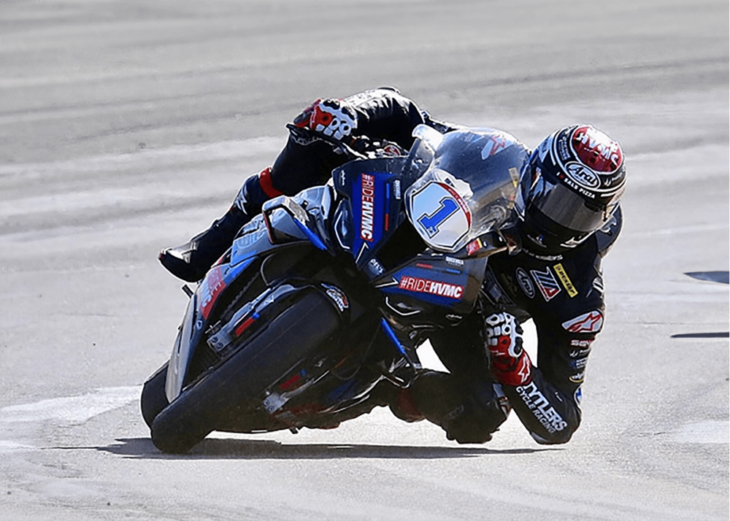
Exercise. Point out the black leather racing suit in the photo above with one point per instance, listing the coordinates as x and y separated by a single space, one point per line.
564 298
562 295
306 161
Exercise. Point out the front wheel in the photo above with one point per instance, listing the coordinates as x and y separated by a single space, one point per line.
293 335
154 399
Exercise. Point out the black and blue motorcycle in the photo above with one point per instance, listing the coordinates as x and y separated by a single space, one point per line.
329 293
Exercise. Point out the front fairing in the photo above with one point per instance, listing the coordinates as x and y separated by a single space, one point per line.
196 320
251 243
369 208
181 352
433 280
418 287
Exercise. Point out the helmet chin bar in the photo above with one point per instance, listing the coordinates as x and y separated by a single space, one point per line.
534 238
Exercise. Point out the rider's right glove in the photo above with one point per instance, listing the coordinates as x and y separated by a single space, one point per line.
509 361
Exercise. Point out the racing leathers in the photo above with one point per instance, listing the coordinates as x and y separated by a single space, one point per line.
490 373
311 153
563 295
319 140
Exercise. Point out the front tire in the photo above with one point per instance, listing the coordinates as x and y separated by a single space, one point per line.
229 390
154 399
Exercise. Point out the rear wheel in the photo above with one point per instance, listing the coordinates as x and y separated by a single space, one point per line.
235 387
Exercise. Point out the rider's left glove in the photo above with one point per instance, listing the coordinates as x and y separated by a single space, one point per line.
509 362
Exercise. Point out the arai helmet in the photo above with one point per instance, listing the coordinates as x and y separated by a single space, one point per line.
570 188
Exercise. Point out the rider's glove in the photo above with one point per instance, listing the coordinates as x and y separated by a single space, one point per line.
370 148
509 361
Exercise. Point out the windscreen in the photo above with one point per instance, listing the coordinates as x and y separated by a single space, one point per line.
468 189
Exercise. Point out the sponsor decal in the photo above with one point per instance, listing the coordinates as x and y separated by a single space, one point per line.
392 150
525 283
596 149
578 396
565 280
367 205
587 323
473 247
397 189
546 283
514 175
582 175
250 238
213 285
337 296
496 143
441 289
578 378
577 187
563 149
583 348
375 267
541 408
548 258
579 363
585 344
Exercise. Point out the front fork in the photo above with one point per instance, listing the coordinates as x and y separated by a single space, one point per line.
407 366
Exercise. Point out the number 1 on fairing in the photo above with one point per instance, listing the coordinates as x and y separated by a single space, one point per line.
431 222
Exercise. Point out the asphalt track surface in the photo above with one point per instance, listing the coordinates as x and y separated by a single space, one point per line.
128 126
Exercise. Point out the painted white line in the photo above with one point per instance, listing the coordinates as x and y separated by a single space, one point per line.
12 446
74 409
703 432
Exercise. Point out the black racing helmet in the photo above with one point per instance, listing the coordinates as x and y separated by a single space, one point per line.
570 188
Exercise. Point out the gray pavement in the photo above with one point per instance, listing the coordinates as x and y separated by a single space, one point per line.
128 126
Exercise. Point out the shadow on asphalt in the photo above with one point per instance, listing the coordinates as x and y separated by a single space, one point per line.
723 277
722 334
266 449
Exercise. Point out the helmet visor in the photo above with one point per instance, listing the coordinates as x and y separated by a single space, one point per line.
565 207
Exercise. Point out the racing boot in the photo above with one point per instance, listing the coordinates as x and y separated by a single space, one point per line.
469 412
192 260
400 402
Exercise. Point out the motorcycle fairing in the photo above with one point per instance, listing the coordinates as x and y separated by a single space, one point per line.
252 240
436 279
195 321
181 352
370 210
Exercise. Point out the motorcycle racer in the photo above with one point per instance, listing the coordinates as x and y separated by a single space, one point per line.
567 217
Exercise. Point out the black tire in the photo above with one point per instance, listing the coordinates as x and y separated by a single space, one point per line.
294 335
153 398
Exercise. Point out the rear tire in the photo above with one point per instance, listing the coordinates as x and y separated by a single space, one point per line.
236 386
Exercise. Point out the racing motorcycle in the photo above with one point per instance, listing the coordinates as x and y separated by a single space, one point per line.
327 294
